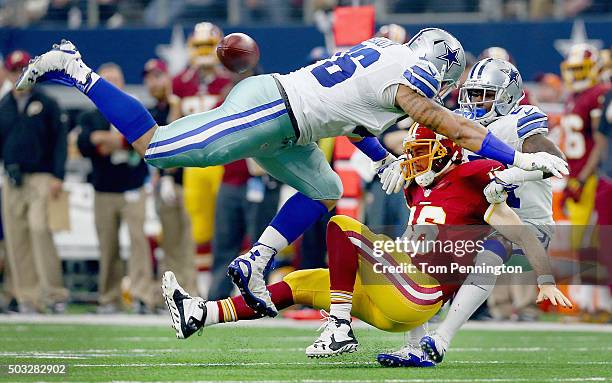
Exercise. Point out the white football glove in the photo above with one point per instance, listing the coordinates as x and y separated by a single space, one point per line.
497 190
167 191
541 161
390 172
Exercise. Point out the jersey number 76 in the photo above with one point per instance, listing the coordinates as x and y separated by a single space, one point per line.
343 65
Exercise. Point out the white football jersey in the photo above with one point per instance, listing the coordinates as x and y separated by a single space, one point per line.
532 201
357 88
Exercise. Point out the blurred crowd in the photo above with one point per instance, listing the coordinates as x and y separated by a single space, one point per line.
208 216
117 13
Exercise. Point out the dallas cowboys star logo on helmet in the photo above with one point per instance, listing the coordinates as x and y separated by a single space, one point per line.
513 76
451 56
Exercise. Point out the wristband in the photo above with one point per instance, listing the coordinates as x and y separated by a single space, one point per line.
495 149
546 280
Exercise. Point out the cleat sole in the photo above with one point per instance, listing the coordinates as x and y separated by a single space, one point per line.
431 352
347 349
168 281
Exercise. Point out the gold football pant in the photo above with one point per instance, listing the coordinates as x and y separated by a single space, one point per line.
394 302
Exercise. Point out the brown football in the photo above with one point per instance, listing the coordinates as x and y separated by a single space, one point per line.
238 52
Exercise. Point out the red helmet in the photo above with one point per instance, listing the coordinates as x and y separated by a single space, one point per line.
581 68
428 154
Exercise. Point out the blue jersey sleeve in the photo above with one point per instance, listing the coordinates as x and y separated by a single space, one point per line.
531 121
424 78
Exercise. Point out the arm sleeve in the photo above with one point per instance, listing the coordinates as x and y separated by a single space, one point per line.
371 147
60 132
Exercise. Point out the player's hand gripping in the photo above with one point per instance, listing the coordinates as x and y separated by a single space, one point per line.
497 190
546 162
390 171
554 295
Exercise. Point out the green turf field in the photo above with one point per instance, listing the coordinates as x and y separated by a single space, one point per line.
130 353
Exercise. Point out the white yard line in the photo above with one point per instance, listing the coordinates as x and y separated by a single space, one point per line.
311 363
163 320
160 351
416 380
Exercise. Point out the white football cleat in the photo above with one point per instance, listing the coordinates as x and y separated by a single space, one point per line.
188 314
337 338
408 356
62 65
434 345
247 271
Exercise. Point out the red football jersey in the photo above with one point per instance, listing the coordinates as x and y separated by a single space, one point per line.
454 199
200 93
457 205
577 125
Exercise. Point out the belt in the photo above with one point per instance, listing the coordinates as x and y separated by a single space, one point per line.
283 94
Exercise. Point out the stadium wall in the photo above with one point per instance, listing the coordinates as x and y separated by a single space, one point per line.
283 49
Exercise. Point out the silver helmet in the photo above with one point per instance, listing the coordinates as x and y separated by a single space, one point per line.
492 81
442 50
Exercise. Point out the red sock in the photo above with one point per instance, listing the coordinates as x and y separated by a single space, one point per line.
235 308
342 259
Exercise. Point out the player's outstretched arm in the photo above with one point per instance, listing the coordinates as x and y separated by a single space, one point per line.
505 220
426 112
541 143
472 135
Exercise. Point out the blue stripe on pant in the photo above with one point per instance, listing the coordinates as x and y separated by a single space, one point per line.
252 122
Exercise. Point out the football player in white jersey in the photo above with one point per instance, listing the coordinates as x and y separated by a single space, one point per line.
277 119
491 96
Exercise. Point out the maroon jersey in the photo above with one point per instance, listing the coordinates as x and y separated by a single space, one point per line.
457 205
236 173
454 199
200 93
577 125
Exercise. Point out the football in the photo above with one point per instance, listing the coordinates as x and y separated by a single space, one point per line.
238 52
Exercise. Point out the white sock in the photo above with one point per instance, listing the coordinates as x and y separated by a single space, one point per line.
341 310
603 298
272 238
212 313
413 337
473 293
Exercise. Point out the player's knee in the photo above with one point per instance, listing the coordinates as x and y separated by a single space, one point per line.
336 187
494 251
333 187
329 203
344 223
305 284
328 187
